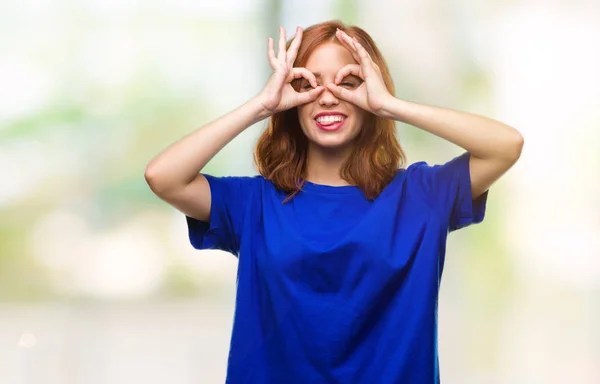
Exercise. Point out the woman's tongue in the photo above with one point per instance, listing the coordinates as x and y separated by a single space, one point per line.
330 122
329 125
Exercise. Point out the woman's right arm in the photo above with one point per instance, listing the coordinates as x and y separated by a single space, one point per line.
174 175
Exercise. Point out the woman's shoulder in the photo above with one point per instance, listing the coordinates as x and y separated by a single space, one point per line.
422 171
410 177
413 169
243 183
236 179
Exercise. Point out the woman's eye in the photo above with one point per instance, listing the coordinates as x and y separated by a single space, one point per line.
348 84
306 86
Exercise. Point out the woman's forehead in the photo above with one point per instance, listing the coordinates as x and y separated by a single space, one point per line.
328 58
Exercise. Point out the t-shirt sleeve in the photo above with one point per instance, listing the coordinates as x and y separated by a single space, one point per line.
448 189
229 206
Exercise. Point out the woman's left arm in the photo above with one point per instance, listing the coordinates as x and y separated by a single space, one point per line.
494 146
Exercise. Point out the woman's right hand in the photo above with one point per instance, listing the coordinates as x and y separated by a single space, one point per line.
278 94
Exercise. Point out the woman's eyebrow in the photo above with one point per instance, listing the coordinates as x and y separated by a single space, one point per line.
318 75
352 76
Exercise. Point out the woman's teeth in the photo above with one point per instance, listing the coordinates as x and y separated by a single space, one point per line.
326 120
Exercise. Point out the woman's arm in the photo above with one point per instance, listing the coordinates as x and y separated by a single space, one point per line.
174 176
494 146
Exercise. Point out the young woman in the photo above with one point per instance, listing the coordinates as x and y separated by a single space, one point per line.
340 249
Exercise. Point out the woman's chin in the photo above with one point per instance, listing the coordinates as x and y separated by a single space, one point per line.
333 142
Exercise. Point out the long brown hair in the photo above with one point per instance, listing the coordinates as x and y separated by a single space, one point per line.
281 151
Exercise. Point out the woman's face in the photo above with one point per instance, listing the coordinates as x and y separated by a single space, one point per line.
329 122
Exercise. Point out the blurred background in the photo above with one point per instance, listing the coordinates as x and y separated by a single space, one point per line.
98 283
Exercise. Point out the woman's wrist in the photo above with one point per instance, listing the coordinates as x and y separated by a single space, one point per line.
392 108
257 109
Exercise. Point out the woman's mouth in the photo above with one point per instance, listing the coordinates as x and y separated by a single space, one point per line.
330 122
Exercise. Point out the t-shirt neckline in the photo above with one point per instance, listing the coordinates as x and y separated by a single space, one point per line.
330 189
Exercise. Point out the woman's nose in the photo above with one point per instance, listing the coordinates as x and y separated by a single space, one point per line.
327 98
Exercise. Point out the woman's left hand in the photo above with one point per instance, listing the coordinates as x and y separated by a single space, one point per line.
372 95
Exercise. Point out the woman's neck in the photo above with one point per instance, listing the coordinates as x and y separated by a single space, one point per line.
324 166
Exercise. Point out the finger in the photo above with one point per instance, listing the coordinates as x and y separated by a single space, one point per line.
343 37
293 49
271 53
281 50
310 96
365 59
298 73
340 92
348 43
350 69
359 53
362 52
345 40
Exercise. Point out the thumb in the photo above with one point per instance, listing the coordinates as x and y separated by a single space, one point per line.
340 92
315 92
307 97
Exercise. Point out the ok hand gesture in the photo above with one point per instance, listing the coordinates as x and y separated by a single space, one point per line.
372 95
278 94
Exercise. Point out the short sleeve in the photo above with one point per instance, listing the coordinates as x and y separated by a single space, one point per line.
230 197
448 189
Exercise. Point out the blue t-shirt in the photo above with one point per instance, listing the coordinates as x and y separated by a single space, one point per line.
332 287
